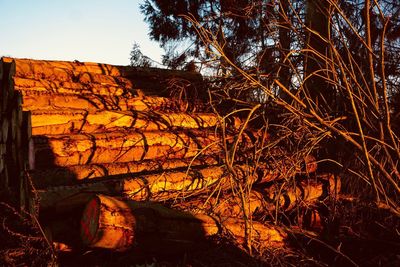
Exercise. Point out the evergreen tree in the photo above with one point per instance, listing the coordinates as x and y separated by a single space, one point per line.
137 58
239 24
264 36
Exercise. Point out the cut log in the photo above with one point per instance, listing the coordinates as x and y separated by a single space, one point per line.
57 87
13 154
51 78
157 186
172 184
287 197
45 158
114 224
46 100
6 92
3 71
45 122
284 163
26 203
49 69
27 140
59 70
15 141
78 149
270 199
150 80
70 175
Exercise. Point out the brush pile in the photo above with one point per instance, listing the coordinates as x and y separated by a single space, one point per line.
108 150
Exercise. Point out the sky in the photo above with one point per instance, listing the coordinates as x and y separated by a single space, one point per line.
86 30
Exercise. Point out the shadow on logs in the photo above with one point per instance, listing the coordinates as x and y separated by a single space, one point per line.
136 232
52 221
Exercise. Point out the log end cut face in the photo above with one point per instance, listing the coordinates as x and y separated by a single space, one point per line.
89 225
106 224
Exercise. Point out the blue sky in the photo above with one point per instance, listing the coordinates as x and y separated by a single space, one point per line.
85 30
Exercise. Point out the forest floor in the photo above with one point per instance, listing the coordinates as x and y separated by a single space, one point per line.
359 235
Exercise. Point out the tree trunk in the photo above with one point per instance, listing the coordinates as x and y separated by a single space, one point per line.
115 224
285 43
318 16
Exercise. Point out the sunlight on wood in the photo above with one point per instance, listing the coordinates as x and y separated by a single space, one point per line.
112 223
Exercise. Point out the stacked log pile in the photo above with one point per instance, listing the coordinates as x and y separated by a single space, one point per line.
107 139
15 135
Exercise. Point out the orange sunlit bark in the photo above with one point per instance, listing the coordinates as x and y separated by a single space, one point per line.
112 223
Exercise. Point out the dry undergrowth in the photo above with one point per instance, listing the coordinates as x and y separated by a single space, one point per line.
351 130
23 242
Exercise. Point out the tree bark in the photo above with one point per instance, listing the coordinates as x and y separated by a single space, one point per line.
46 69
318 20
57 87
13 155
286 197
158 186
172 184
150 80
6 92
117 225
271 199
47 100
123 146
82 121
26 142
285 43
70 175
59 70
